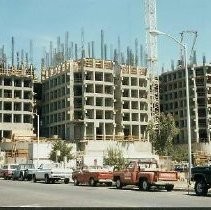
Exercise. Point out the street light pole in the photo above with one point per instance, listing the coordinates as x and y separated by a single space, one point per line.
188 113
155 32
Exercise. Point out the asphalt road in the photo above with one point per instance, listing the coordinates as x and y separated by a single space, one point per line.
29 194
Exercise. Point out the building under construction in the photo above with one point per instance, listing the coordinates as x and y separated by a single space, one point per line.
95 99
16 105
173 100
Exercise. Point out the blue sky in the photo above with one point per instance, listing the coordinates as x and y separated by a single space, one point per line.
44 20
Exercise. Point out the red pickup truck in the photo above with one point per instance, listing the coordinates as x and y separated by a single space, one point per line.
145 174
92 175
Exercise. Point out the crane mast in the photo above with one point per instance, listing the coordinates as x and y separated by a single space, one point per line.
151 49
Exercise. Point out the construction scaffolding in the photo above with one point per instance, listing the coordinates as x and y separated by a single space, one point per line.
14 71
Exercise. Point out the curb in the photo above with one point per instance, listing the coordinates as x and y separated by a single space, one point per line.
184 187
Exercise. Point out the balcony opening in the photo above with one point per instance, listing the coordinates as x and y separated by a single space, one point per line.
7 118
8 106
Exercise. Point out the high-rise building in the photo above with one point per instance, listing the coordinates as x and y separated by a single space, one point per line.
16 104
173 100
131 102
91 99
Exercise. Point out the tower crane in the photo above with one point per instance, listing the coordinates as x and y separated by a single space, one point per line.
151 48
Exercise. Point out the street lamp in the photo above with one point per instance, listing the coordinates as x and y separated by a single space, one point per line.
155 33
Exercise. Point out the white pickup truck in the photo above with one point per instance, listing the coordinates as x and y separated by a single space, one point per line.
50 173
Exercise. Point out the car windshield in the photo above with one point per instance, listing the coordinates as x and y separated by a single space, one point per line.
49 166
148 165
26 166
30 166
5 167
13 166
92 167
55 165
131 165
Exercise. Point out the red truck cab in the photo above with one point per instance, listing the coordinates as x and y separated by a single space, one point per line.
145 174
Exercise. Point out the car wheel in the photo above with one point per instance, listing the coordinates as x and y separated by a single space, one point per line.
47 180
201 188
66 181
21 177
29 178
5 177
92 182
34 178
144 185
169 187
76 182
118 184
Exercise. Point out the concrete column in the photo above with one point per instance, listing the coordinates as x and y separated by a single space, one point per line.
21 112
104 131
94 133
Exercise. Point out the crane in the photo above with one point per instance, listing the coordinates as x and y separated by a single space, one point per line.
151 48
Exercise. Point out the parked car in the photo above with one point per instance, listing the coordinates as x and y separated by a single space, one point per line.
181 167
7 170
92 175
201 175
50 173
23 171
145 174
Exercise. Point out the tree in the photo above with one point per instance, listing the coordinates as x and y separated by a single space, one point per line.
180 153
162 137
114 157
65 151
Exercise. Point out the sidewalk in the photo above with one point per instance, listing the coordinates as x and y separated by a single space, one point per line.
183 186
